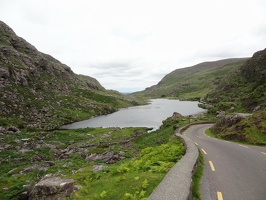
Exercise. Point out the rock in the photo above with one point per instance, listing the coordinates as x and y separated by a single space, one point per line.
4 73
108 157
114 159
7 146
23 196
55 151
52 188
176 114
11 129
57 143
84 153
33 168
69 164
97 168
91 157
77 187
24 150
48 164
2 129
254 110
220 114
71 142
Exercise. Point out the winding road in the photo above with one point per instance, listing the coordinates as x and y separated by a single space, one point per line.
232 171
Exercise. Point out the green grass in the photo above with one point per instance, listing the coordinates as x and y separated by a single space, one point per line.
147 158
196 180
251 130
210 133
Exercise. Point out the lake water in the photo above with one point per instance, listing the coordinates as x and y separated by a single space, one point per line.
150 115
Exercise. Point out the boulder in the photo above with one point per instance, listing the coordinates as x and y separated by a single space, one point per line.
52 188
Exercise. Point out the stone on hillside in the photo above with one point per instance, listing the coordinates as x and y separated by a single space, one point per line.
48 164
220 114
12 129
176 114
69 164
108 157
52 188
4 73
2 129
104 157
97 168
33 168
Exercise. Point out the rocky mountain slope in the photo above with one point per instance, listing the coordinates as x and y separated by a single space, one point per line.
192 82
38 91
243 90
245 86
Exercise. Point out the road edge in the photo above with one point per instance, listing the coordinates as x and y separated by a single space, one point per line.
177 184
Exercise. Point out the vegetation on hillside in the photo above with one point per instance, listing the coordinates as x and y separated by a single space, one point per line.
250 130
245 86
242 91
192 83
38 91
137 162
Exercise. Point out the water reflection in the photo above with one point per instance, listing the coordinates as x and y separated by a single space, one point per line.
150 115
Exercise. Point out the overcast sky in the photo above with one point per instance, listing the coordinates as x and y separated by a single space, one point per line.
129 45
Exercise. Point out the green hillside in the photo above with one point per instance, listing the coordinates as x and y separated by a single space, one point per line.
245 86
243 90
193 82
226 87
38 91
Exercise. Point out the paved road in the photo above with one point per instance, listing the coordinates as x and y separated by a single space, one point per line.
232 171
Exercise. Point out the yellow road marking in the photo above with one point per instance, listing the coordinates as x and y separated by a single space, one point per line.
212 167
220 196
203 151
243 146
196 143
263 153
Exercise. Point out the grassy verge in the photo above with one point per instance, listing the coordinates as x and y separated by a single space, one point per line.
210 133
196 181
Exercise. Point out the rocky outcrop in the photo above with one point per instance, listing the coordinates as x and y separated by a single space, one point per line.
40 92
108 157
50 188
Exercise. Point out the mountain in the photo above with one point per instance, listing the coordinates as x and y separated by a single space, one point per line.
192 82
243 90
245 86
38 91
228 88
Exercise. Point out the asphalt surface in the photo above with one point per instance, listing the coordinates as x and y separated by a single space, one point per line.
232 171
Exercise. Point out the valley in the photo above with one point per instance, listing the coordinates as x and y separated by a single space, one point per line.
39 94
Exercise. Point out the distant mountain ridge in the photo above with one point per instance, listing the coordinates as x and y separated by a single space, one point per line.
38 91
192 82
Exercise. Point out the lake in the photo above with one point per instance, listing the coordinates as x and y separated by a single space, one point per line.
150 115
